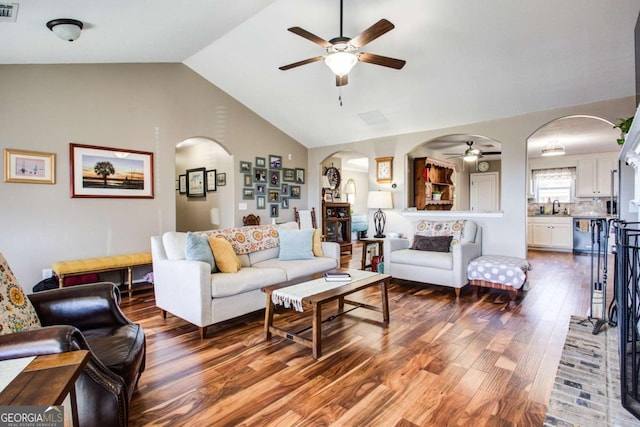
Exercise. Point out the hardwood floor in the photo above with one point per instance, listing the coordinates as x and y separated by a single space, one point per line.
438 362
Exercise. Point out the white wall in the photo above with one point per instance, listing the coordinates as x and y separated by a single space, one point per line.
506 234
147 107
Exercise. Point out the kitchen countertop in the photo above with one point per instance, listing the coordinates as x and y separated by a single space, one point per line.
586 216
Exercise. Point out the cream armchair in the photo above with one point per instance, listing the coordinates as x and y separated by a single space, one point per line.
439 268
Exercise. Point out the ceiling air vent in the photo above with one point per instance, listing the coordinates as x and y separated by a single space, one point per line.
8 12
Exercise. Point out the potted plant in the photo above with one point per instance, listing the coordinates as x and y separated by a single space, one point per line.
437 195
624 125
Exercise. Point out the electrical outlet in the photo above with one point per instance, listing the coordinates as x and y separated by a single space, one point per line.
47 273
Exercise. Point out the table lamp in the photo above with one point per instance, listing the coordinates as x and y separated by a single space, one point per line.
379 200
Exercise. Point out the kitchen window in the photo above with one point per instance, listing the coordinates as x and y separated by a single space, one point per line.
552 184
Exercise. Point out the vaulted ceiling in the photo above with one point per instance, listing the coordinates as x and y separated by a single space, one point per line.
467 60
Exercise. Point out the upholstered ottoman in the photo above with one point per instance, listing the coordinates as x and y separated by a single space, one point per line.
499 272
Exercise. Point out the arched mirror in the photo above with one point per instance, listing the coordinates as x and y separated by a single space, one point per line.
460 172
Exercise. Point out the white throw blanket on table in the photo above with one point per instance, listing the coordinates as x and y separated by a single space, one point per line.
292 296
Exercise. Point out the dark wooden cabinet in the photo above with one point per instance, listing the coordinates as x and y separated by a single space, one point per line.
433 176
336 224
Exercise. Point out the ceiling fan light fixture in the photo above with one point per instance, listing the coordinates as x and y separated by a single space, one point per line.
66 29
341 63
470 157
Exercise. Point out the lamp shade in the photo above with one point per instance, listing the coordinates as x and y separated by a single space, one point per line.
325 182
341 62
380 200
350 188
215 216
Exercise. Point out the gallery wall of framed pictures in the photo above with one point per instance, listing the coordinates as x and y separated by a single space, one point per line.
270 184
197 182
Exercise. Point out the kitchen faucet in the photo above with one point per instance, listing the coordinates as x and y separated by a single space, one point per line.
553 209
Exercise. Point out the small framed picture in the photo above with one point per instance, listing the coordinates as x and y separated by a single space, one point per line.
29 167
261 162
284 190
284 202
299 176
182 184
259 175
288 175
196 182
245 167
328 196
177 184
261 188
248 180
274 178
211 180
273 210
247 193
274 196
261 202
294 191
275 162
221 179
336 194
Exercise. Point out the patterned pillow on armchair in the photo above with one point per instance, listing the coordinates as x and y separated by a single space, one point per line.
16 312
454 228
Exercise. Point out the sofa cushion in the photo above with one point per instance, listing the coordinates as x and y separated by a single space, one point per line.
463 231
432 243
299 268
197 249
440 260
245 280
259 256
16 312
174 244
226 259
296 244
317 243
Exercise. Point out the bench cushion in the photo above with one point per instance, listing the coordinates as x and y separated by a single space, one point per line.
101 263
503 270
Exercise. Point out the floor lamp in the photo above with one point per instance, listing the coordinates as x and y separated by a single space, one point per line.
379 200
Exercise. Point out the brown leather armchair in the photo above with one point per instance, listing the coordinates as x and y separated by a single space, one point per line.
88 317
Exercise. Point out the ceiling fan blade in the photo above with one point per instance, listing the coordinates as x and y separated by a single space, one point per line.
303 62
489 153
372 33
385 61
342 81
312 37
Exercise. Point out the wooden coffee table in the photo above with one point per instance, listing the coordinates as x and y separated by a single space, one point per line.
327 292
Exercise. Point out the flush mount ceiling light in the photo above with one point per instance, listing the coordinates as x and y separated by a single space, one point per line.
66 29
553 149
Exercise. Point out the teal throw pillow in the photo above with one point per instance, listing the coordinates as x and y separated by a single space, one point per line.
197 249
296 244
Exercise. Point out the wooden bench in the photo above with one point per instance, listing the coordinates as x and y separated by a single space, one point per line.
102 264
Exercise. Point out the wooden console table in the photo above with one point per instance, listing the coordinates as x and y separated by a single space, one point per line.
48 380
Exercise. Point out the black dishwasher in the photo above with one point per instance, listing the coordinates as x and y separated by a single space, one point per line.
582 236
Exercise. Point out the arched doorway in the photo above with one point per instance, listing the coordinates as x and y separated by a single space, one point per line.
194 211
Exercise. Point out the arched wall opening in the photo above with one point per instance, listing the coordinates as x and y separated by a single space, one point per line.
452 149
203 157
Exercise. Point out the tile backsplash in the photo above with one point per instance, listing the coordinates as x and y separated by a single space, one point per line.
595 206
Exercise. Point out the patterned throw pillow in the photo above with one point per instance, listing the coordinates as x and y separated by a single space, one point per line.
16 312
442 228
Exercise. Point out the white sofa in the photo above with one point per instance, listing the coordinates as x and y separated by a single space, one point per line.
439 268
189 290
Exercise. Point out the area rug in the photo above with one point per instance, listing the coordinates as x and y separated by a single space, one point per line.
586 390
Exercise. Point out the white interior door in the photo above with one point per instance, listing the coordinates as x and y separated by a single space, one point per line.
484 192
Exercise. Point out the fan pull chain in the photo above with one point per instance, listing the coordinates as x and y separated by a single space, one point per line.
340 96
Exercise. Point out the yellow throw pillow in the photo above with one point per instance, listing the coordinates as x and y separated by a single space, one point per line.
317 243
226 259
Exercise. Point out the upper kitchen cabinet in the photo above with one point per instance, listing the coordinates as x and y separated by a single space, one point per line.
593 177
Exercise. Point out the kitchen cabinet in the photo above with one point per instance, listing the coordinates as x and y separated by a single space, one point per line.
550 232
593 177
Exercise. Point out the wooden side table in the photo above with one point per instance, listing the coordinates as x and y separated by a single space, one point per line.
378 244
47 381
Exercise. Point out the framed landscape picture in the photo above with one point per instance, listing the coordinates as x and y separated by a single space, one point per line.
196 182
29 167
245 167
110 172
247 193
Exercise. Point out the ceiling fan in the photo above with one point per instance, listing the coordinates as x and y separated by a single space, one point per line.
343 52
472 153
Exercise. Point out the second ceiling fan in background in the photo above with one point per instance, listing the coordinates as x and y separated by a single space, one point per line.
343 52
